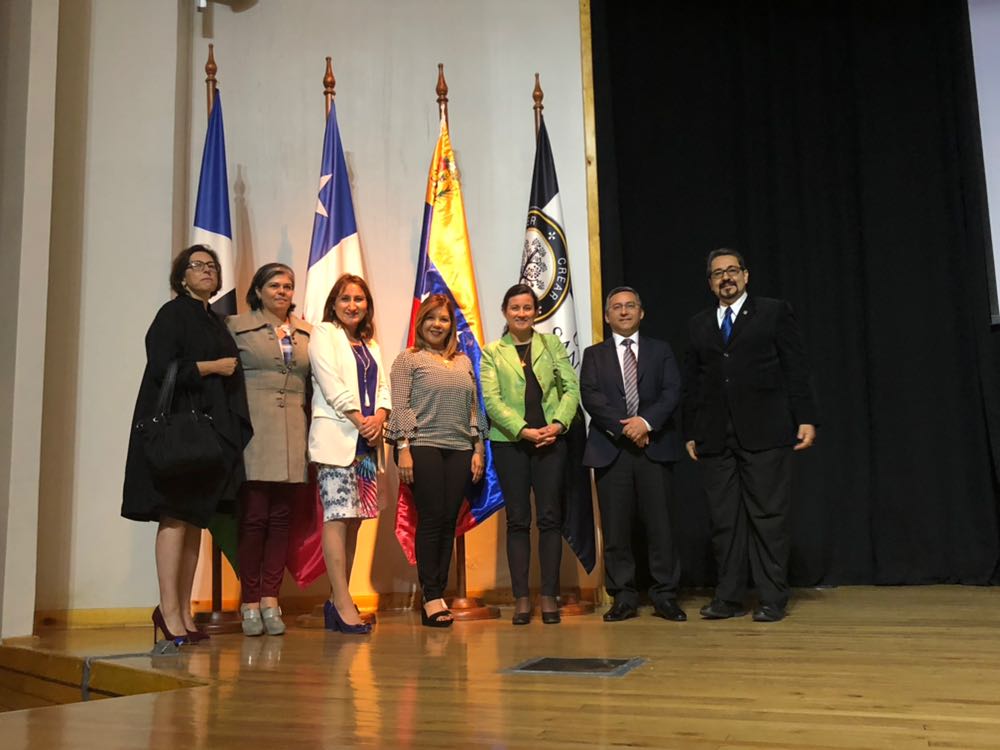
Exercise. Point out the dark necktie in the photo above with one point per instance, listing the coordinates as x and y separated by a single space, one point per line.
630 372
727 325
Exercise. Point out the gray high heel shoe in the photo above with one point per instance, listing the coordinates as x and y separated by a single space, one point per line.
273 623
252 624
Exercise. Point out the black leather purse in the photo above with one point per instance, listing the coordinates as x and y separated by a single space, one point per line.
181 444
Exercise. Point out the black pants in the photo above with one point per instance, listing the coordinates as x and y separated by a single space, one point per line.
634 488
521 468
748 499
440 477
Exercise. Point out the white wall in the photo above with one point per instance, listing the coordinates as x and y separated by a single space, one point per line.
27 77
112 240
984 24
131 123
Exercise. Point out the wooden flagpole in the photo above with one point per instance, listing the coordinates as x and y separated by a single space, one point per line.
462 606
329 85
218 620
536 96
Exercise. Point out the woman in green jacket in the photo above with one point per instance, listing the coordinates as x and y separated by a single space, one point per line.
531 393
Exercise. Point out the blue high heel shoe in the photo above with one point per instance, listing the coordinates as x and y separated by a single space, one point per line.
333 621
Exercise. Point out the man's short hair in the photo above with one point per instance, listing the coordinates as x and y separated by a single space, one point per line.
619 290
719 253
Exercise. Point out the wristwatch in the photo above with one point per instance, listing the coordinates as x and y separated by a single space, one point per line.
403 444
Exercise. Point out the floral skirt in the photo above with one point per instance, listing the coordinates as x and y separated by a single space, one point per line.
348 491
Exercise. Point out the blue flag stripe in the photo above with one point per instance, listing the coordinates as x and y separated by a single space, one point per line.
211 211
339 222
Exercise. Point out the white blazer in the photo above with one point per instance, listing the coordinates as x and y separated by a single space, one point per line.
333 438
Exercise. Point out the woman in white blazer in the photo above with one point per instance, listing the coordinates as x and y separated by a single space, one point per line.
350 403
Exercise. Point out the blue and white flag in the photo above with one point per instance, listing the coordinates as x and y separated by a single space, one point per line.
336 248
212 225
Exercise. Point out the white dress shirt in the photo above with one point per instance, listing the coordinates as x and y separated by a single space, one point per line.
721 312
620 350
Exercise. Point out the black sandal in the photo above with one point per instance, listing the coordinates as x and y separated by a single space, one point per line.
437 620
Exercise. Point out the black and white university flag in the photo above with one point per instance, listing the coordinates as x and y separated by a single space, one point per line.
545 268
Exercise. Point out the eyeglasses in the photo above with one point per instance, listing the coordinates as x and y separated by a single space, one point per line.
199 265
732 272
619 306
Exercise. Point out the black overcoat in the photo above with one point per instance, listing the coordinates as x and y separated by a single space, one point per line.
185 330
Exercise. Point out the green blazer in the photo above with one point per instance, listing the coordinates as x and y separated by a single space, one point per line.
502 380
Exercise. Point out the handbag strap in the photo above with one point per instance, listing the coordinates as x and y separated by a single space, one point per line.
166 397
557 376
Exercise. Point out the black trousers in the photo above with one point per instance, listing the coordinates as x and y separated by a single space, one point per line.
521 468
440 478
748 499
635 489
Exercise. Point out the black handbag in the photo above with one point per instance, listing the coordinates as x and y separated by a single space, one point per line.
181 444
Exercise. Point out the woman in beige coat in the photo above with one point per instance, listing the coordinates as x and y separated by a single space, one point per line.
274 352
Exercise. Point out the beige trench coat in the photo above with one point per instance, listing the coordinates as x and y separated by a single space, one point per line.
277 397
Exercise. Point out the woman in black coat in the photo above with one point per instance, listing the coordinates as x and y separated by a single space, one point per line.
208 379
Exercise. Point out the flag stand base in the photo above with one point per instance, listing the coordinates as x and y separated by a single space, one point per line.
464 608
218 622
570 605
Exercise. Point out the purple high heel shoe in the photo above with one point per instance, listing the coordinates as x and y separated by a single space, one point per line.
160 626
333 621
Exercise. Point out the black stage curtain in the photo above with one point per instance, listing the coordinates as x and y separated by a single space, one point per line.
836 144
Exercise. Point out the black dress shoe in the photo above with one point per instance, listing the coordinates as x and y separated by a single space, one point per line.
620 611
768 613
718 609
551 618
669 609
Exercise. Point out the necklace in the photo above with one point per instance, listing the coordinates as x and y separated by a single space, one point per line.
527 353
365 360
440 356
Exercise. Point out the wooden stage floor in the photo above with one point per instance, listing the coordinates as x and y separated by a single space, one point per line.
856 667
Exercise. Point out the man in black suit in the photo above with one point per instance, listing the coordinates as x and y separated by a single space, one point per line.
747 405
632 446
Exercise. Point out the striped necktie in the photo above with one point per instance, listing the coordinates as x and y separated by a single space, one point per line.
630 372
727 325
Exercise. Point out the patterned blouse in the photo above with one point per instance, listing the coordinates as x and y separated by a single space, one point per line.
435 402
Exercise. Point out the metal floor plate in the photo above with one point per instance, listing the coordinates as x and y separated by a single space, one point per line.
584 667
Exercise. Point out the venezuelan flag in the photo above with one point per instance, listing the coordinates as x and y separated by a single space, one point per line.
445 267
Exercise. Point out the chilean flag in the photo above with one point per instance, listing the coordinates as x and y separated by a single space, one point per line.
445 267
336 248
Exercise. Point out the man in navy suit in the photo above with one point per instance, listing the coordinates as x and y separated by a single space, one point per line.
630 388
747 405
